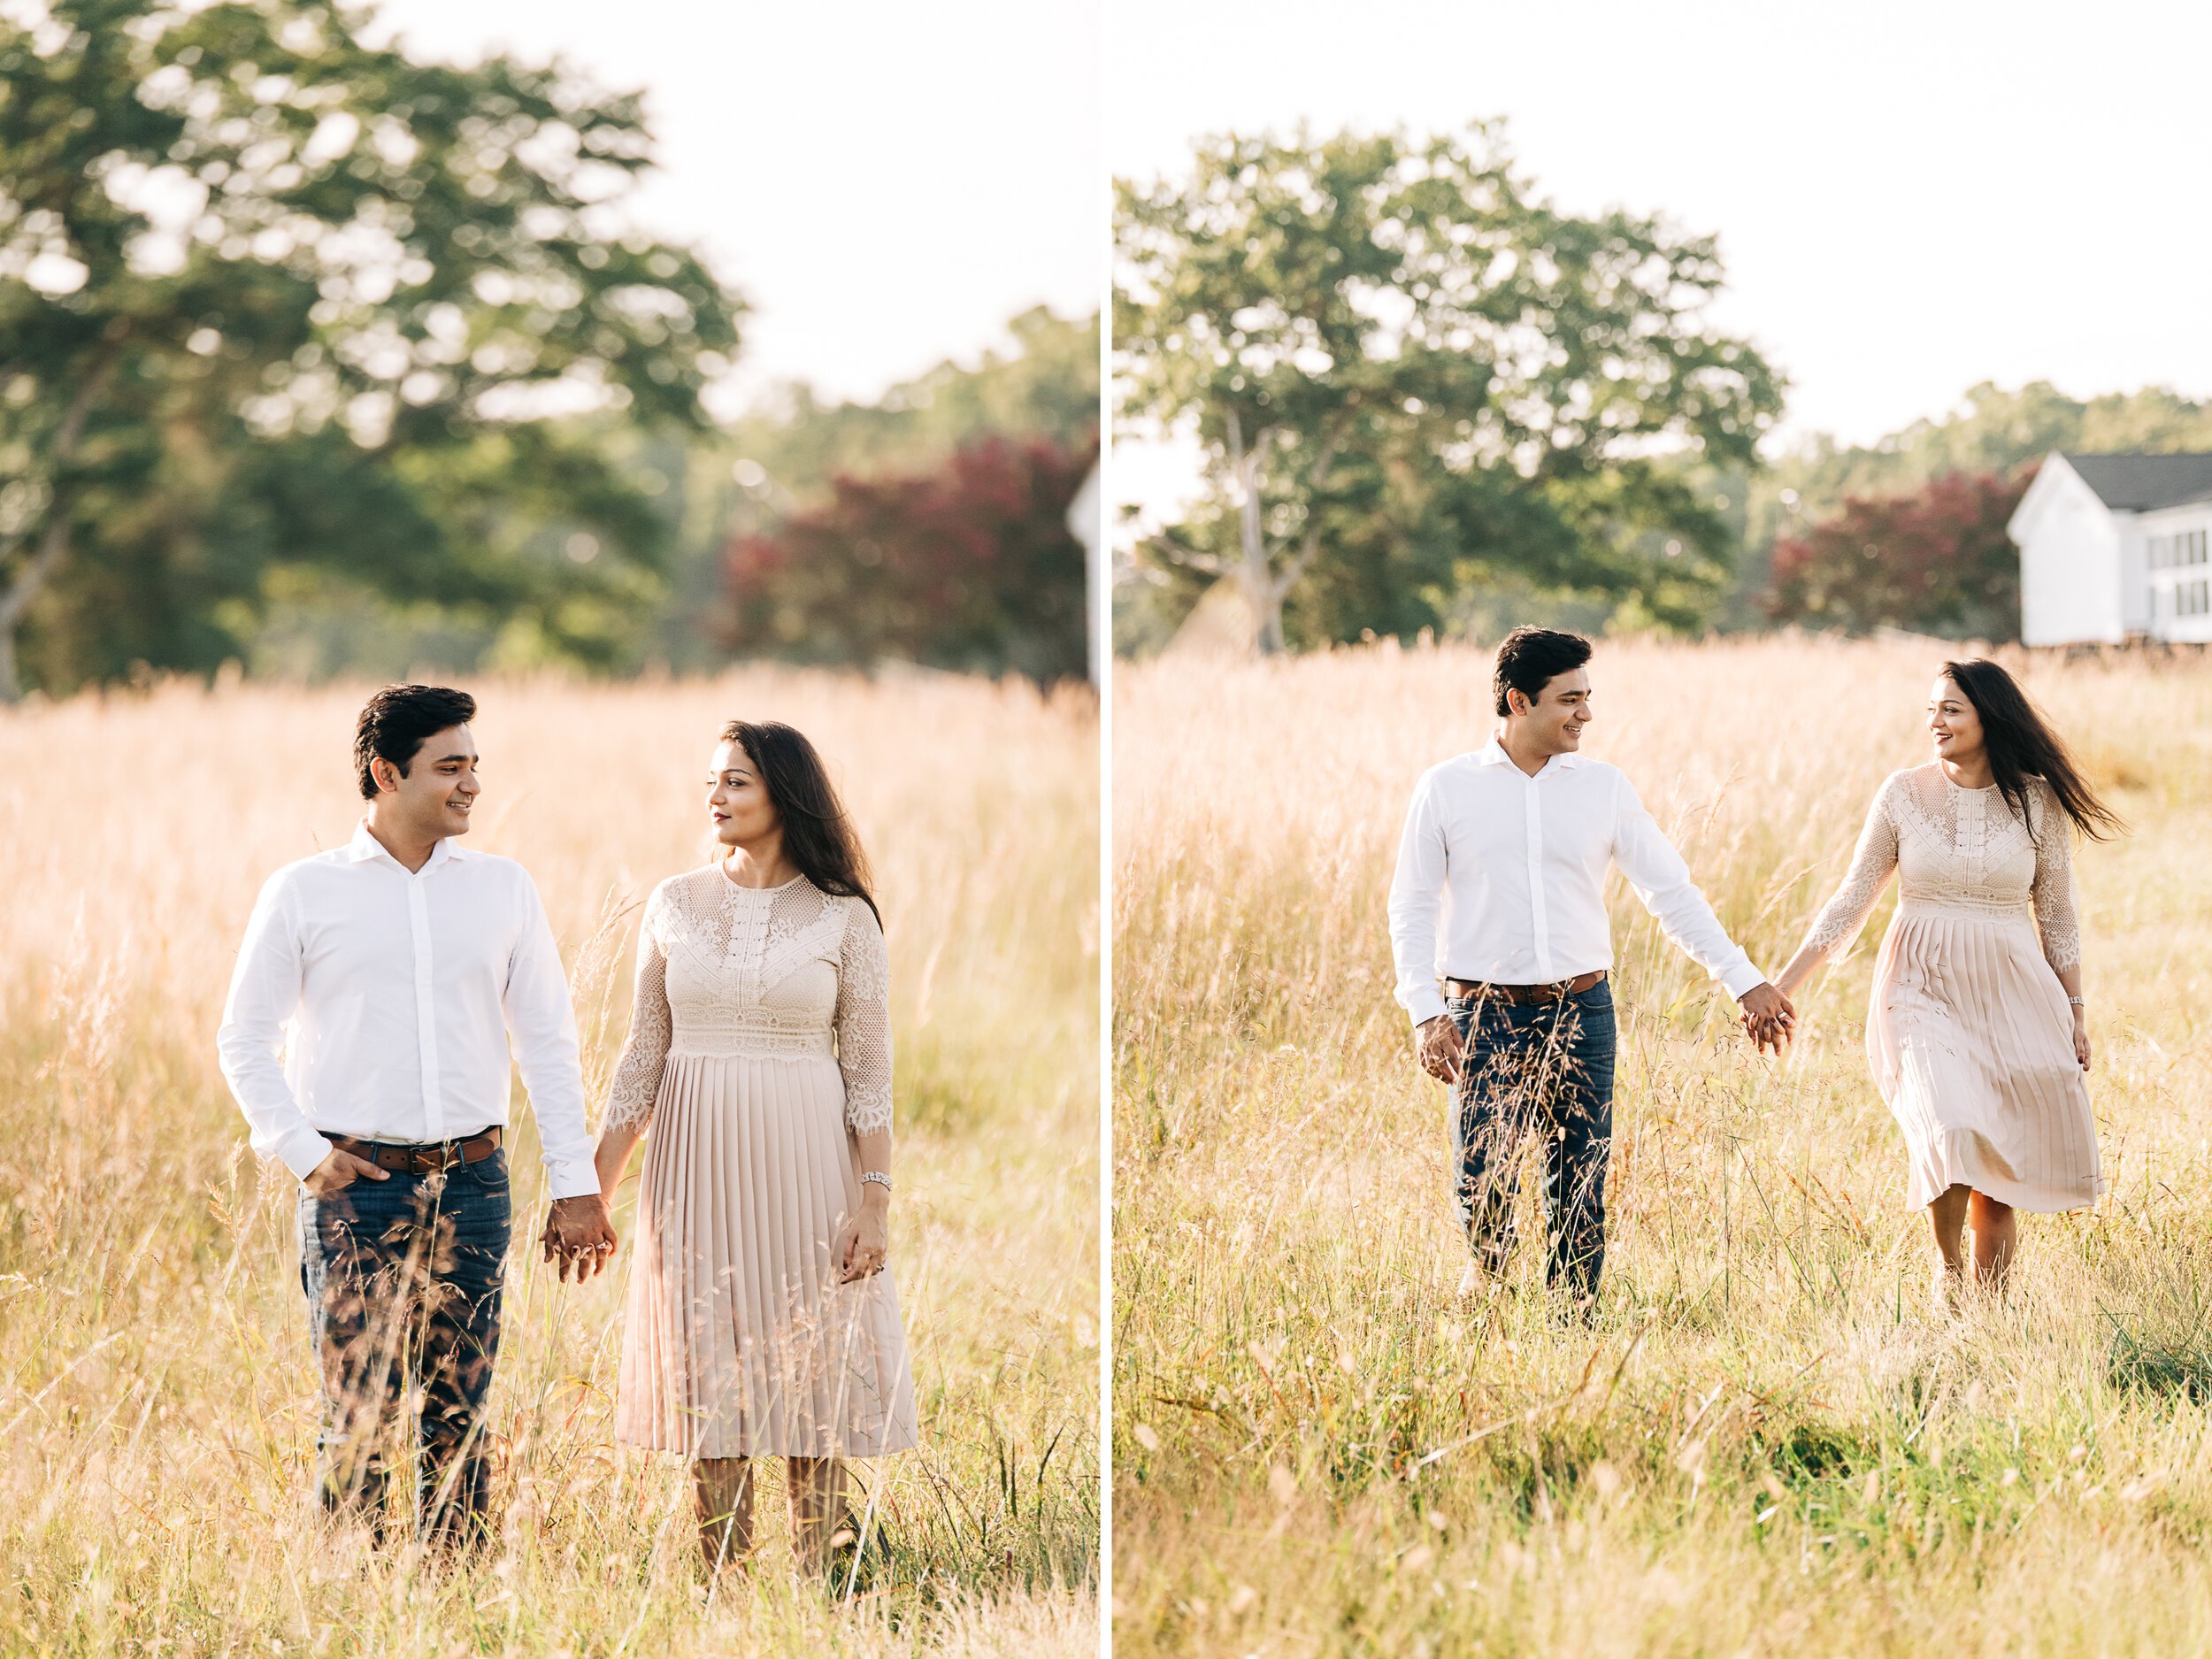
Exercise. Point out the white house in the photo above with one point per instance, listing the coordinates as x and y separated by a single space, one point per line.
2113 548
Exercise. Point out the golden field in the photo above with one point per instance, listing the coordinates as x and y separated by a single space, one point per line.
1769 1443
156 1402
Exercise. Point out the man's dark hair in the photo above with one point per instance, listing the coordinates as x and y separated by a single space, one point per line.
396 722
1530 658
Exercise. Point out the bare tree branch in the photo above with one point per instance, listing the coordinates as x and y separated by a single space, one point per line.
1190 558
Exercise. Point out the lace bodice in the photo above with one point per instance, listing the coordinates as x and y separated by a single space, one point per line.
1962 850
780 972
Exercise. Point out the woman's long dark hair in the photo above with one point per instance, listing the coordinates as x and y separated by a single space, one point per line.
2021 745
818 833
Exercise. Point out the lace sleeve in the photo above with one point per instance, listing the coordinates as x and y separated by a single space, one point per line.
1872 863
863 1021
2054 889
637 1074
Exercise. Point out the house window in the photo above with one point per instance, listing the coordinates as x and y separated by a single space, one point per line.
2192 599
2167 552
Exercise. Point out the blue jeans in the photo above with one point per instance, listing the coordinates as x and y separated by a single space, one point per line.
1542 1071
403 1279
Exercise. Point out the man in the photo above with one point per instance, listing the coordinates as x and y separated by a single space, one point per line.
403 966
1499 893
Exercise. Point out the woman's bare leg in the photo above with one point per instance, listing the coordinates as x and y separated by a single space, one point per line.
818 1506
725 1510
1996 1235
1947 1214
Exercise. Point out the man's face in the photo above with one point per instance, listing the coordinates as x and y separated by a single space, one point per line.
1553 722
434 798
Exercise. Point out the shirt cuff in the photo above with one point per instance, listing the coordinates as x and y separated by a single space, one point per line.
564 1179
1427 1004
1740 976
302 1151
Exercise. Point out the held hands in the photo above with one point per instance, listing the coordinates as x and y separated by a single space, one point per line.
864 1242
1769 1017
579 1235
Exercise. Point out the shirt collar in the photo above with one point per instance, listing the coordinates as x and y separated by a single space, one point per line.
1492 754
364 846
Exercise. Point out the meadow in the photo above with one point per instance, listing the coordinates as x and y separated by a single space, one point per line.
1769 1441
157 1405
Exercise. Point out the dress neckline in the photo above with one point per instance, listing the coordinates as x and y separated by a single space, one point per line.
722 870
1961 789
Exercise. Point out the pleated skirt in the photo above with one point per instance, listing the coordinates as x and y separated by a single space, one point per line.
1971 1038
739 1340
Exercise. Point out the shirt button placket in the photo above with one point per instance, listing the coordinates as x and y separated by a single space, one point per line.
1539 930
425 1029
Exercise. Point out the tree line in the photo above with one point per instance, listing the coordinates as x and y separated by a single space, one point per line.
1426 398
313 355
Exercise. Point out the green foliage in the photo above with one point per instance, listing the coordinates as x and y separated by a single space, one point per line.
271 299
1046 387
1993 431
780 465
1410 378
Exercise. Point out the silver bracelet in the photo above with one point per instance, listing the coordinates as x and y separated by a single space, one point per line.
876 1176
2077 1002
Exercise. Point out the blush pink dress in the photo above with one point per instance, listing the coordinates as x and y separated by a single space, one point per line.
1968 1031
759 1047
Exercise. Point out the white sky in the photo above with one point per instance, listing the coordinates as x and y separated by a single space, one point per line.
1911 198
886 183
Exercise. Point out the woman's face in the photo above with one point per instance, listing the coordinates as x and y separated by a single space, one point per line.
737 801
1952 723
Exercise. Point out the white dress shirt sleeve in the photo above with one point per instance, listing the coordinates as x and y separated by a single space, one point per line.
1417 891
1661 880
541 1032
264 991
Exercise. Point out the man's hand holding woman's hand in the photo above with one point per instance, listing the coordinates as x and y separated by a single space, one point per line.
579 1235
1770 1017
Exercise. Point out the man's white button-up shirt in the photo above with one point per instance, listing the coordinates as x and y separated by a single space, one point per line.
1502 878
398 992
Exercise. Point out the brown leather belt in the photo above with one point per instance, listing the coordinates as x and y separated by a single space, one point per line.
1522 996
423 1158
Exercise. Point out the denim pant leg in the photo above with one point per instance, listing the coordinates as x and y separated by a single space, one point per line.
1494 1109
458 1343
401 1275
353 1267
1578 1139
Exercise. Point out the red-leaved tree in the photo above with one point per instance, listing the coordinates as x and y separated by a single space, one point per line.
969 567
1936 562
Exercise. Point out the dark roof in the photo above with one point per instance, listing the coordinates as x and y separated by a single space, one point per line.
2139 483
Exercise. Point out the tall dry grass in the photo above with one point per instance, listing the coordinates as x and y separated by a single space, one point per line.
156 1402
1768 1444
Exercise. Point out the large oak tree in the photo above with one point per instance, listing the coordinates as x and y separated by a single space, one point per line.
1403 370
271 297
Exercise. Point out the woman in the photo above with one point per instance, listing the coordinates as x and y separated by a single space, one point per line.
763 1320
1977 1031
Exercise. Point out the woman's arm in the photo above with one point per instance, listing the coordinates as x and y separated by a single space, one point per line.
863 1023
637 1074
1840 919
2057 921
